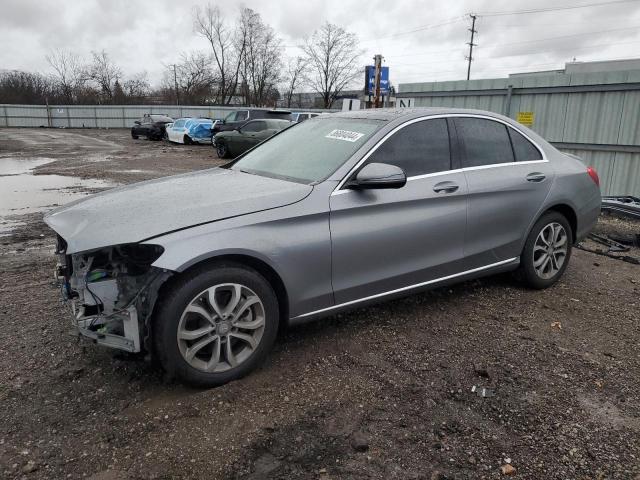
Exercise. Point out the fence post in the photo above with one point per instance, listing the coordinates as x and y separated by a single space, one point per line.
507 106
68 117
95 115
6 117
124 120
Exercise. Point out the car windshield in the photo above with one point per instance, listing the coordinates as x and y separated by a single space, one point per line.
310 151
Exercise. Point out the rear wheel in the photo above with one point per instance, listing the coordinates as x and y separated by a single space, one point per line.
216 325
547 251
187 140
221 149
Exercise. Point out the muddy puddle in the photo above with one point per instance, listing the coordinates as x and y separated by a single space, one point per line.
22 192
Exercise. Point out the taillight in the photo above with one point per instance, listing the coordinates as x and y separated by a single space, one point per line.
594 175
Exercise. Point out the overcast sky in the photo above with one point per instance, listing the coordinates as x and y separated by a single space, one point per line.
420 40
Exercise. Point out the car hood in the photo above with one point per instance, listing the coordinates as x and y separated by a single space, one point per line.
145 210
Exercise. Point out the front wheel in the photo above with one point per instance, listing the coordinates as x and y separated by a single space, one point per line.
547 251
216 325
187 140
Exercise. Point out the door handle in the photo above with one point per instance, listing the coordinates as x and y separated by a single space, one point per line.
536 177
445 187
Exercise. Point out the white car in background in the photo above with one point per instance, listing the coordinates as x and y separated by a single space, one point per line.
190 130
302 116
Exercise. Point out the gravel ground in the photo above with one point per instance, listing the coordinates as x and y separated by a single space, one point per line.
383 392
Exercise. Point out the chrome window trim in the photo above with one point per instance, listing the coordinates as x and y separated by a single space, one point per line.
338 190
402 289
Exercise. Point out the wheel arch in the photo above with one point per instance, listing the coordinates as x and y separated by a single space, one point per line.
259 265
569 213
563 208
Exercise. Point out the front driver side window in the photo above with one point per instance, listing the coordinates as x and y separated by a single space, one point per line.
419 148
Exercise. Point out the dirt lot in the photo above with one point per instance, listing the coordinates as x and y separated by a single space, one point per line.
383 392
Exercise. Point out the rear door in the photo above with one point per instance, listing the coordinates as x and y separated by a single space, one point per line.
383 240
508 179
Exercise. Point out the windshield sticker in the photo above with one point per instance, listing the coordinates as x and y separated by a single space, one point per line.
345 135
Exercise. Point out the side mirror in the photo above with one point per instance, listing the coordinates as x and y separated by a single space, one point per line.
137 122
378 175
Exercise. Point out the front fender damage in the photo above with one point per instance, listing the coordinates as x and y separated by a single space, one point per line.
112 292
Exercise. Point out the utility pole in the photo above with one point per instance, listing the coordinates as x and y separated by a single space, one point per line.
378 66
471 44
175 83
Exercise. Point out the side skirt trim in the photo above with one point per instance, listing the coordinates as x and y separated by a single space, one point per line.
410 287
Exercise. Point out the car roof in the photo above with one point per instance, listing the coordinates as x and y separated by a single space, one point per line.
389 114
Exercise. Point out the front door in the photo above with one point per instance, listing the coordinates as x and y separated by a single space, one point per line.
385 240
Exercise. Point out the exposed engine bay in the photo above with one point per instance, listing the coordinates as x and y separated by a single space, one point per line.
112 292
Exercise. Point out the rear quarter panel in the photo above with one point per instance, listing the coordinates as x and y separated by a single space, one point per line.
574 187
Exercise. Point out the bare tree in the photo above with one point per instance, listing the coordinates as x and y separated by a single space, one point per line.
68 73
294 77
262 59
104 73
193 77
227 49
136 88
332 55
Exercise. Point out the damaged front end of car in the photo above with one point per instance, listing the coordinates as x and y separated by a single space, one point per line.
112 292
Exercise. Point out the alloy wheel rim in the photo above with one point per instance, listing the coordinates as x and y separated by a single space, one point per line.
221 327
222 150
550 250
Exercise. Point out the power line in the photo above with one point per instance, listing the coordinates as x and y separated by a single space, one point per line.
524 42
419 29
552 9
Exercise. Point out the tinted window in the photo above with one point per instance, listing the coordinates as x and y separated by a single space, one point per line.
418 149
523 148
256 126
486 142
243 115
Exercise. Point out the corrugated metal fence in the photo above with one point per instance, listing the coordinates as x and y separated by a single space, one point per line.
100 116
593 115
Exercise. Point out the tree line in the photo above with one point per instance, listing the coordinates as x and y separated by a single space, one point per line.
242 64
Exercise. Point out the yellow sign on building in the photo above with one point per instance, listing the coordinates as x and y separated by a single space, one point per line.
525 118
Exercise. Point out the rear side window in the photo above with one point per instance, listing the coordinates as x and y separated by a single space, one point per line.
486 142
419 148
242 115
523 148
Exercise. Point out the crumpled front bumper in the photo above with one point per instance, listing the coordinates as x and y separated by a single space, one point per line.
95 328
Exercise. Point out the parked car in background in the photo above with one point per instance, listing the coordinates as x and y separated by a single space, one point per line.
190 130
337 212
239 117
151 126
235 142
302 116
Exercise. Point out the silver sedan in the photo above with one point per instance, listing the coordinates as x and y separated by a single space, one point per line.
336 212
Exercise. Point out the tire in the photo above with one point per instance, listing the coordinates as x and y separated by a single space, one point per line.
176 332
222 149
187 140
134 136
538 267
